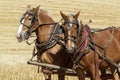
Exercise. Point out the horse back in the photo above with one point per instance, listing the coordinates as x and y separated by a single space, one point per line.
110 40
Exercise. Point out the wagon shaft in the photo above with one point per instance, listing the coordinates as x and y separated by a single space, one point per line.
68 72
50 66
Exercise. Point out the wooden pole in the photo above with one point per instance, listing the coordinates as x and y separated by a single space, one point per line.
50 66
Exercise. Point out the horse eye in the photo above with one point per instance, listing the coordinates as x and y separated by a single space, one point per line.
29 18
75 27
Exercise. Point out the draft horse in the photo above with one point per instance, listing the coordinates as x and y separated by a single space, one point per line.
49 35
91 51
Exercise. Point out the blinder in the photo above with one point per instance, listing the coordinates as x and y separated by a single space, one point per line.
23 17
78 28
33 19
69 22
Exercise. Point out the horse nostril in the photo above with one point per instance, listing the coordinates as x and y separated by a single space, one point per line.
26 35
18 36
70 49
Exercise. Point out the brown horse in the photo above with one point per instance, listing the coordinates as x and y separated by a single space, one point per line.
86 47
48 33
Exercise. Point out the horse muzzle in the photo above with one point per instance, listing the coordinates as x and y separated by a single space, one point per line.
22 36
70 50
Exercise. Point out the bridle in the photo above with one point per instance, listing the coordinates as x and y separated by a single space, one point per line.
52 39
69 37
33 20
82 31
81 47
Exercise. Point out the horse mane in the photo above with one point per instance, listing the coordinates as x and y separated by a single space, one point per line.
43 11
44 16
70 15
98 30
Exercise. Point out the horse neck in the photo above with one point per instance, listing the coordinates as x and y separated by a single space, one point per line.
45 19
106 36
45 30
82 32
117 34
81 36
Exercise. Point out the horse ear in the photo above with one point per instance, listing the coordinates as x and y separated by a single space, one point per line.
63 15
28 7
38 6
76 16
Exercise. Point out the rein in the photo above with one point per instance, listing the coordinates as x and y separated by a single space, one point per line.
84 42
91 45
87 41
83 48
53 35
52 40
39 35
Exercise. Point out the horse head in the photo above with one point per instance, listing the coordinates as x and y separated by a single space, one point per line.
28 23
71 28
37 20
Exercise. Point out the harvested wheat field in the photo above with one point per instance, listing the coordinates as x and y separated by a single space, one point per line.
14 55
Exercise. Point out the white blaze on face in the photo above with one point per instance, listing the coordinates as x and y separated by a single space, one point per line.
69 41
70 24
69 32
20 29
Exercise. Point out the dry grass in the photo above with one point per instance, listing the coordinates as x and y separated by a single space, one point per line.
24 72
13 55
14 67
19 72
